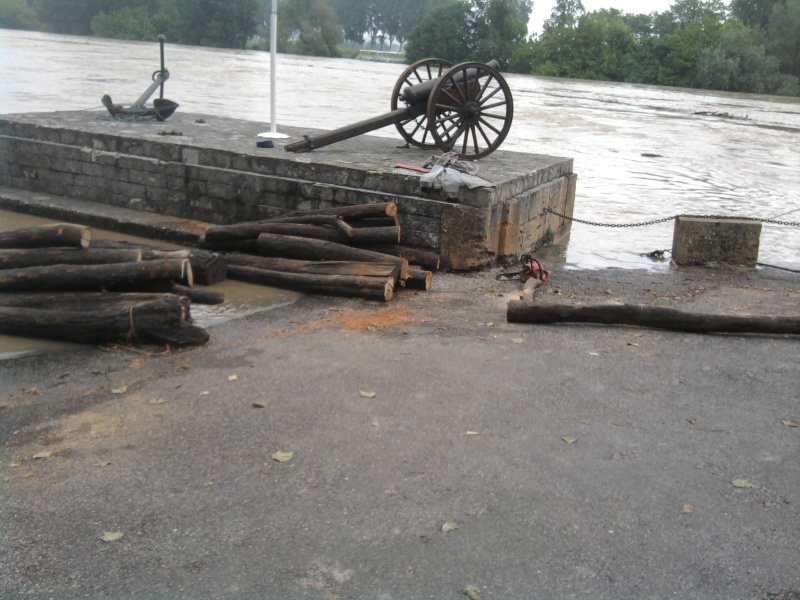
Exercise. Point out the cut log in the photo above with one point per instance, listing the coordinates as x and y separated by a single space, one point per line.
40 257
288 265
249 246
148 252
371 288
159 319
354 212
81 301
251 231
326 228
310 219
95 277
650 316
419 279
59 235
208 268
376 235
287 246
415 256
377 222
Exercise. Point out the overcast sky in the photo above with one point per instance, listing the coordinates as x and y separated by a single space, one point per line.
543 8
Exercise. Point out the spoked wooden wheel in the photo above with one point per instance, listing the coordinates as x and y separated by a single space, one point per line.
470 110
415 129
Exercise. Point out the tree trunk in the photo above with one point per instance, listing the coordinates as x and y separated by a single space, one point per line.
40 257
88 277
148 252
415 256
249 246
160 319
251 231
650 316
376 235
208 268
59 235
288 265
354 212
287 246
371 288
419 279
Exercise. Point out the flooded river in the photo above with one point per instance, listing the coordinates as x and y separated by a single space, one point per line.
641 152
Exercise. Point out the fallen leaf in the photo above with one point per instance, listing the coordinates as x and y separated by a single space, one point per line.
14 465
376 424
259 405
372 328
103 463
584 421
158 400
282 457
205 393
635 344
473 433
120 390
426 538
34 391
180 368
743 483
335 308
691 421
42 455
686 509
594 354
3 406
364 394
232 378
569 439
517 340
111 536
790 423
450 526
471 591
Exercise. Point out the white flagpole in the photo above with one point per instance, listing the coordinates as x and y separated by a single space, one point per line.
273 51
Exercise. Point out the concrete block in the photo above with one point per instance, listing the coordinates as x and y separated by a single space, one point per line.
698 241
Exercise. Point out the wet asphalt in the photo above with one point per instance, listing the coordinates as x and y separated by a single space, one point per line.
434 447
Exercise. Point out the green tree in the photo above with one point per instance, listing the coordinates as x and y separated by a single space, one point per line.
753 13
72 16
308 27
784 35
126 24
736 63
218 23
445 33
499 25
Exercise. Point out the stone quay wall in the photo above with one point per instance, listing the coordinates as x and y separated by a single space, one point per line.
209 169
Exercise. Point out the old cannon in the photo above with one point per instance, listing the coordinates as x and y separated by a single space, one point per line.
465 109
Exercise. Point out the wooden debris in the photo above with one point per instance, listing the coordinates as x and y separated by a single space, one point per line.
59 235
643 315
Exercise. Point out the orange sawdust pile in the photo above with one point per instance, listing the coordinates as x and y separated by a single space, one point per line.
387 317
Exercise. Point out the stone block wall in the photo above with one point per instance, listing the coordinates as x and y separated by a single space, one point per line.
204 178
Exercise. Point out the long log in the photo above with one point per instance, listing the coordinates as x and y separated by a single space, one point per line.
83 301
415 256
251 231
371 288
58 235
250 246
160 319
148 252
333 267
310 219
208 268
94 277
377 235
40 257
650 316
354 212
287 246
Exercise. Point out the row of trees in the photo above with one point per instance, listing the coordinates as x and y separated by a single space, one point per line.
747 45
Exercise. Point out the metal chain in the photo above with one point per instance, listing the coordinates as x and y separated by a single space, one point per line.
665 219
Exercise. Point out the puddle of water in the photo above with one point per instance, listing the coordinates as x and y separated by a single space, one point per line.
240 298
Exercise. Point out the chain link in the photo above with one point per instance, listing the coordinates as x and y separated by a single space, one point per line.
665 219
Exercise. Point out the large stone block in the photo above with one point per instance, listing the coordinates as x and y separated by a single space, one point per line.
705 240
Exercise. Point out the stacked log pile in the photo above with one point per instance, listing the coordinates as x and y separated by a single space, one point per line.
346 251
54 285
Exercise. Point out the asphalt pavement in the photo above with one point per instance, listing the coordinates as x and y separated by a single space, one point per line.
426 448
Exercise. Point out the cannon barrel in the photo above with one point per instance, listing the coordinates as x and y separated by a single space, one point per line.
419 93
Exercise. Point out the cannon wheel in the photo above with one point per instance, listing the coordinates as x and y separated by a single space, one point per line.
471 118
415 130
